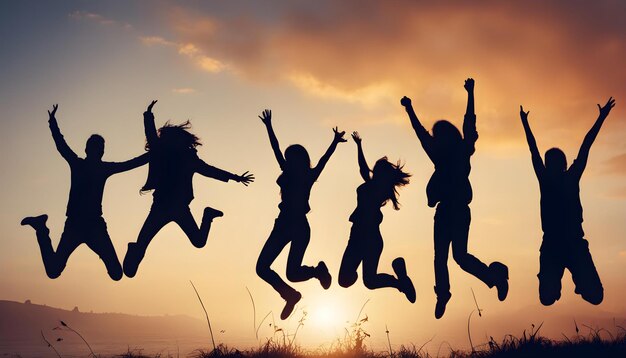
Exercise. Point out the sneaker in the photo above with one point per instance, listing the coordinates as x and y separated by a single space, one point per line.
35 221
440 306
406 285
501 274
210 213
133 257
324 275
292 301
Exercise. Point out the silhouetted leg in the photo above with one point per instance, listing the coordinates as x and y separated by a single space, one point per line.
300 234
584 274
551 269
352 258
155 221
197 236
100 242
54 262
273 246
371 278
460 233
443 236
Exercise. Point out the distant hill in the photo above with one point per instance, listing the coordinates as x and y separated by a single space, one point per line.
21 325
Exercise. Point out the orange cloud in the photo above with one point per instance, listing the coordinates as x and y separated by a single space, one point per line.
558 59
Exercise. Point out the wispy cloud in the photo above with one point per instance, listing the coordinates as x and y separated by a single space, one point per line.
97 18
189 50
184 90
616 165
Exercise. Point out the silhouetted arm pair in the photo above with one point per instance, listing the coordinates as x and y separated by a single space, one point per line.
364 169
422 134
266 118
583 154
66 152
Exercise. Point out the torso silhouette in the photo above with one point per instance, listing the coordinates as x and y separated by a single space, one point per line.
87 188
171 173
295 190
370 199
561 209
450 182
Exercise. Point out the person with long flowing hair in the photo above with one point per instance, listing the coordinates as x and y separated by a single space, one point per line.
366 242
292 227
173 162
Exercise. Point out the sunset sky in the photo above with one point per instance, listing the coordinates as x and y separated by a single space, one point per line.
316 64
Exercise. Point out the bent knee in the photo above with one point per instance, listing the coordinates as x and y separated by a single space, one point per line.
263 270
346 280
595 298
548 299
116 274
53 273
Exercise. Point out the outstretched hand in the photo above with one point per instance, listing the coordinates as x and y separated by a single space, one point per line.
522 114
469 84
339 136
356 137
246 178
405 101
604 111
54 111
266 117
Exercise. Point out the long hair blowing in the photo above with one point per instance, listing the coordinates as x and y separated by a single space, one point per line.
177 136
393 177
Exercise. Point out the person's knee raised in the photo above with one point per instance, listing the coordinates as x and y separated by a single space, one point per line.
595 297
262 270
347 279
548 298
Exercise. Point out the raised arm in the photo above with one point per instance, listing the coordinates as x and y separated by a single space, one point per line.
119 167
210 171
583 154
148 124
338 138
66 152
532 143
470 135
422 134
266 118
364 169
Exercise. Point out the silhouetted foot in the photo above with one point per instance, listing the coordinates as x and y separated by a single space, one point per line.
133 257
210 213
292 301
501 274
36 222
324 275
406 285
440 307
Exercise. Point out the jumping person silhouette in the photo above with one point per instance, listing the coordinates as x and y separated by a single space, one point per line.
292 226
173 162
84 223
366 243
450 190
563 243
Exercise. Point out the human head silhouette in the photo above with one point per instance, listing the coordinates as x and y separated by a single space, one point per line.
390 176
177 136
297 158
555 160
94 148
446 133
